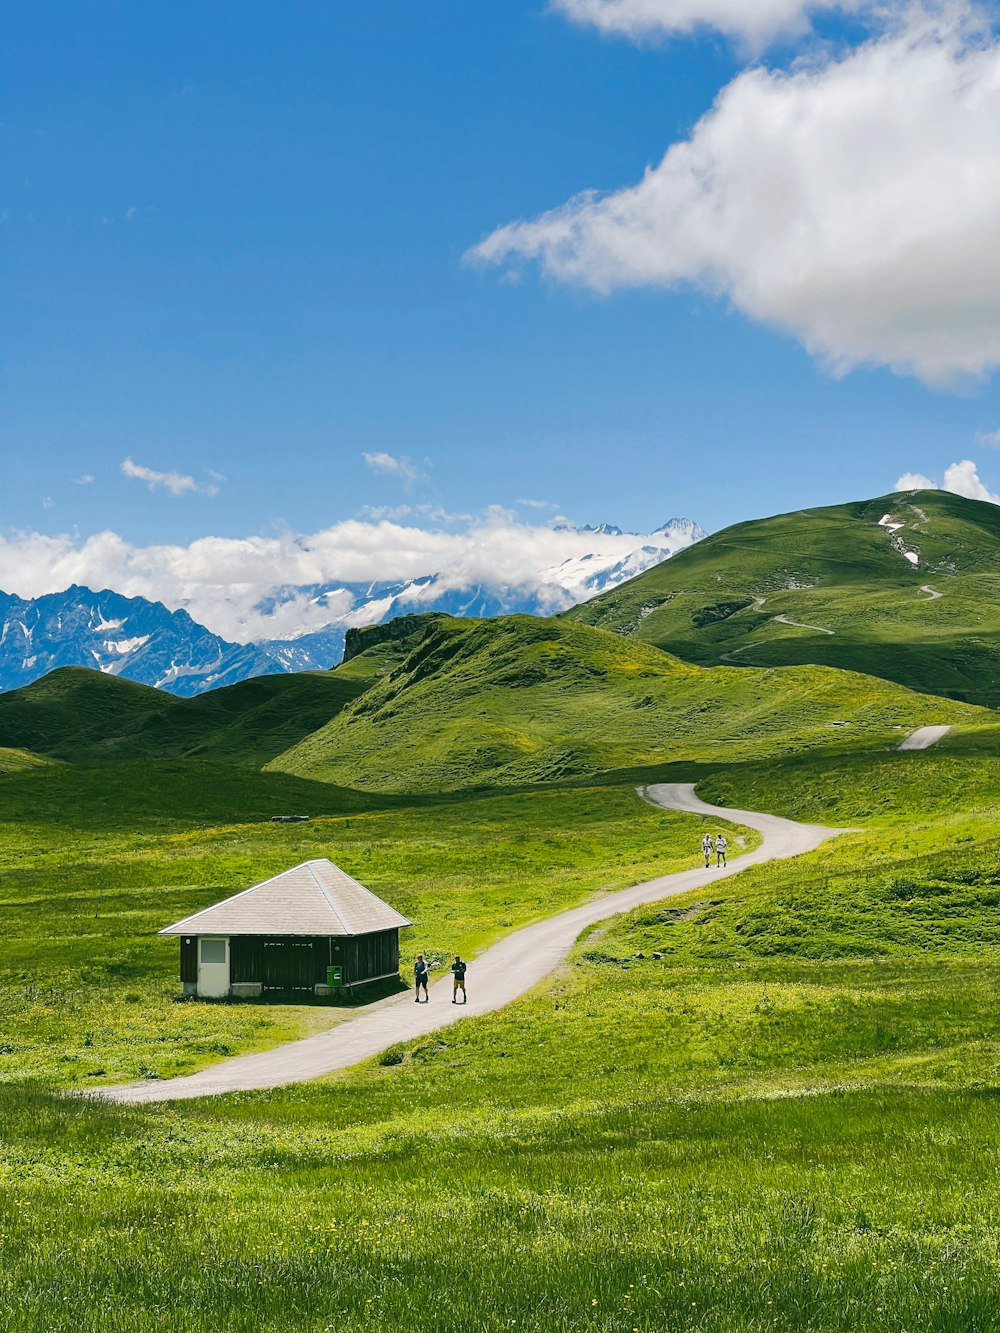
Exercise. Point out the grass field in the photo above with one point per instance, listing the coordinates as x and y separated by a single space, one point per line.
92 865
787 1122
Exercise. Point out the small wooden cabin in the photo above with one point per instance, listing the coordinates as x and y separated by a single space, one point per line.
311 928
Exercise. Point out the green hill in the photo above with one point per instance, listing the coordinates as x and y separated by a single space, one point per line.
20 761
520 700
905 586
86 717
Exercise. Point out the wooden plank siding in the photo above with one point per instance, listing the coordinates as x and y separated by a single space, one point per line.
189 959
370 955
299 962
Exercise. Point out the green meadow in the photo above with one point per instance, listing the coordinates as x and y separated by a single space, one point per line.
788 1120
914 602
768 1105
93 862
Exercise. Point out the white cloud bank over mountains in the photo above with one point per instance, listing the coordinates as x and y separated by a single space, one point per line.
222 581
852 201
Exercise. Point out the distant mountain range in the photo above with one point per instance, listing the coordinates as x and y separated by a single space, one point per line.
144 641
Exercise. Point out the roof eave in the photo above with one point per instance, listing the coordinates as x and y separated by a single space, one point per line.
268 934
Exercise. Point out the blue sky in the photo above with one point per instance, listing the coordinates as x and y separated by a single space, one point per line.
237 239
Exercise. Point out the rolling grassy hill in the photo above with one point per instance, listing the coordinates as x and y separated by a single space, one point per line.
906 587
86 717
520 700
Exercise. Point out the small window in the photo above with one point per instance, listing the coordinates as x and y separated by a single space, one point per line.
213 951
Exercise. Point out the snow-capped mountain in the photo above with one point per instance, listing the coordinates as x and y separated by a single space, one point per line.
144 641
547 591
123 636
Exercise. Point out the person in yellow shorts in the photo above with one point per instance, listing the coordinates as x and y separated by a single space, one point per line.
458 972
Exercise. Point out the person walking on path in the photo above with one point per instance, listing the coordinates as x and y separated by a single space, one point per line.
420 977
458 972
720 850
706 848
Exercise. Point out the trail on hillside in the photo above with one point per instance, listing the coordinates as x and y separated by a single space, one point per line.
498 976
787 620
923 738
932 593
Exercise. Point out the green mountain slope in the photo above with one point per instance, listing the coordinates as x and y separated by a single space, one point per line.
88 718
520 700
905 586
20 761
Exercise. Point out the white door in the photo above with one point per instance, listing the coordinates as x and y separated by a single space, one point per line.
213 965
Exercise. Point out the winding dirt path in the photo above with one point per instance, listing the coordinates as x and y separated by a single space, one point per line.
787 620
503 973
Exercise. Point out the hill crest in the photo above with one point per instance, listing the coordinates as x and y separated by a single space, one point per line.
902 586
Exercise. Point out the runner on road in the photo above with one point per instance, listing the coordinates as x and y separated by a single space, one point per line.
720 850
458 972
420 977
707 849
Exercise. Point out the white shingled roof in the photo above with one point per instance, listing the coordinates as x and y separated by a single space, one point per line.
315 898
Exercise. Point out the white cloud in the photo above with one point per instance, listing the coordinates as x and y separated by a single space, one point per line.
429 513
915 481
392 512
222 580
959 478
538 504
177 483
402 467
753 21
853 203
86 480
963 479
991 438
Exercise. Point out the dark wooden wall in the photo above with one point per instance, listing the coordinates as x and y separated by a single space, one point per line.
295 962
370 955
189 958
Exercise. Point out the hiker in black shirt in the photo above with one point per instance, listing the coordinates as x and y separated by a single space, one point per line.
420 977
458 972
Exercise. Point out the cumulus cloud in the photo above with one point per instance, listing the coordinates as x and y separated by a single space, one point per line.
915 481
402 467
87 479
852 202
959 478
242 587
753 21
176 483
